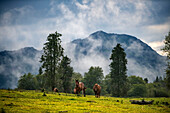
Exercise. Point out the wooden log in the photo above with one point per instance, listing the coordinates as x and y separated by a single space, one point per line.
142 102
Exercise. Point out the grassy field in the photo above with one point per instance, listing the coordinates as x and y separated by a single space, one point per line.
33 101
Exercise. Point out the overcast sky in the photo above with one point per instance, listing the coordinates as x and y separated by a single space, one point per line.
26 23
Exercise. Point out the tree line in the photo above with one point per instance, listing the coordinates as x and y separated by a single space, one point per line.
56 71
135 87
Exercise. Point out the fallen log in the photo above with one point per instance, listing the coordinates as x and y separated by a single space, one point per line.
141 102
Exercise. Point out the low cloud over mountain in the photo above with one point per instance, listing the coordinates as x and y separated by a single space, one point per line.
13 64
94 50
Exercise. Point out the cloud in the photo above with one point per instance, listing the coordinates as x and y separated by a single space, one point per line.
155 34
138 70
77 19
123 16
159 28
17 16
157 46
82 62
15 34
85 62
135 46
83 6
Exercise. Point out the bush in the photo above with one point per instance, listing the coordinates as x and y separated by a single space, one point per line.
137 90
89 91
28 82
135 80
157 89
161 93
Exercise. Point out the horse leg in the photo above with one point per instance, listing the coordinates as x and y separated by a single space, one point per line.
98 94
84 92
78 93
95 94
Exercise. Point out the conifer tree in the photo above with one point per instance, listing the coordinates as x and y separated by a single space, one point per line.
53 52
167 50
118 71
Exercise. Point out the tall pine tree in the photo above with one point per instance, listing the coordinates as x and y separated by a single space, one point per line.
118 71
167 50
53 52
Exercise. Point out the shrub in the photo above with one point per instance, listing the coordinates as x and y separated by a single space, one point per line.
137 90
161 93
28 82
89 91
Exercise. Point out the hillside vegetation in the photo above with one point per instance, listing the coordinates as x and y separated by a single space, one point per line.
33 101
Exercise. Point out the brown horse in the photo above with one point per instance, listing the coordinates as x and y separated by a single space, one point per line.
79 87
56 90
97 90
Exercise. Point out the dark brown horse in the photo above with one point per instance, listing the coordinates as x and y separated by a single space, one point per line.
79 87
97 90
56 90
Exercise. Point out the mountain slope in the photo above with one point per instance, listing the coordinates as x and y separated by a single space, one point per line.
13 64
96 49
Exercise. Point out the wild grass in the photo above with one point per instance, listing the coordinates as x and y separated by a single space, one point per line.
32 101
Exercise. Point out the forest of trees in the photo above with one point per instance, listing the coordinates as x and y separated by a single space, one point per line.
56 71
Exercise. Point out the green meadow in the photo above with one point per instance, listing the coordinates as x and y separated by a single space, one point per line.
34 101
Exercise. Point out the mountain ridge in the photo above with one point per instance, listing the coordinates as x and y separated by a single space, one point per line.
138 53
